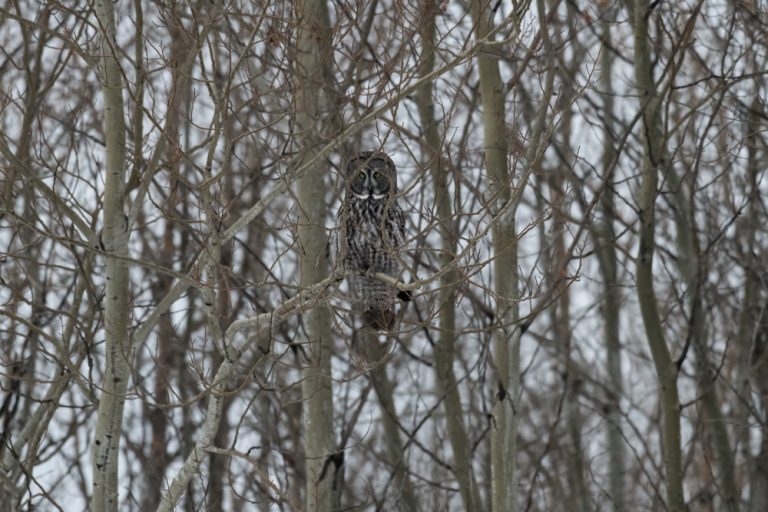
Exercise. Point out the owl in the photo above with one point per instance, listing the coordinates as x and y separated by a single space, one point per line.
373 232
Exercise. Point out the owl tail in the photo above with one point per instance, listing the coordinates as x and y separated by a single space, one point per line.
379 319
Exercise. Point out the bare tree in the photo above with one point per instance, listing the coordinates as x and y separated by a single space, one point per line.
583 194
507 334
654 158
445 349
114 237
313 63
605 236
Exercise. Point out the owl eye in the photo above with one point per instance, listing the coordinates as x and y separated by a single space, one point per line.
361 175
376 174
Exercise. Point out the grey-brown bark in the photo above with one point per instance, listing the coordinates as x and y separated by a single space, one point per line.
759 371
561 315
170 346
753 321
19 400
445 348
693 270
312 66
195 191
394 449
605 239
506 335
654 159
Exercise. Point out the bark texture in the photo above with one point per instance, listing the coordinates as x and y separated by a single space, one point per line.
311 73
605 237
506 334
444 351
117 344
653 160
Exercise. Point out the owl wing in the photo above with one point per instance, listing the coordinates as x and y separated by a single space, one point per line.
399 243
394 235
399 227
338 242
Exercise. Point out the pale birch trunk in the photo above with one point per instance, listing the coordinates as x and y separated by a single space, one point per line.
117 347
506 335
444 350
243 352
312 65
653 160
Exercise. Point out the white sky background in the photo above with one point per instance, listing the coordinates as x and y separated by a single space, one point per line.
78 176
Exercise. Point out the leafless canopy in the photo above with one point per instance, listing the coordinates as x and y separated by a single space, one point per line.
586 253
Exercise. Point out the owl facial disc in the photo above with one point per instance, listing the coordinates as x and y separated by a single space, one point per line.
371 176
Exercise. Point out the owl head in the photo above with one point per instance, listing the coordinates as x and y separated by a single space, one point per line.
372 175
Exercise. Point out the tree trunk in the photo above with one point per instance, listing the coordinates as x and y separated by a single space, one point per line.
506 334
653 160
752 327
605 237
444 351
759 374
406 498
693 271
117 347
312 66
169 345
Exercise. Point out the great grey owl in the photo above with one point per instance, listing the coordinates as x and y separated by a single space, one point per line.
373 234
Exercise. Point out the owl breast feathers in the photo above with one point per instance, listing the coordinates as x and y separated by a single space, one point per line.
373 233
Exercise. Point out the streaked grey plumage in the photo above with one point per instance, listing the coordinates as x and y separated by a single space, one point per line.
374 232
